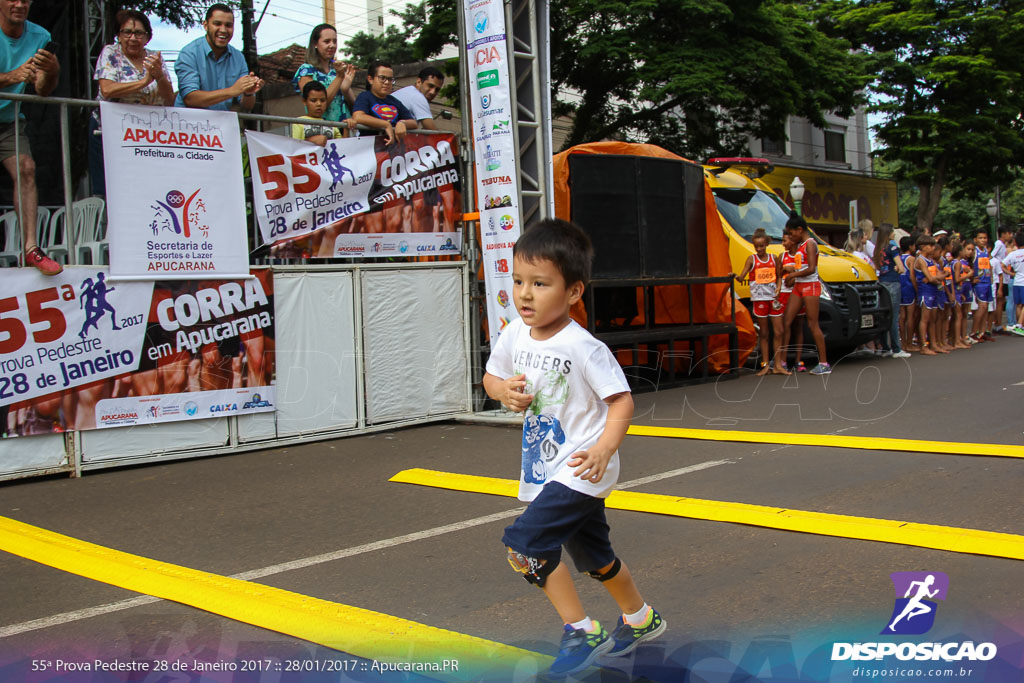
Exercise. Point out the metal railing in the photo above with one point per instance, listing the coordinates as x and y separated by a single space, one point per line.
262 123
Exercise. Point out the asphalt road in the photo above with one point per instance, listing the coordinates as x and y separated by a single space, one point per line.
737 598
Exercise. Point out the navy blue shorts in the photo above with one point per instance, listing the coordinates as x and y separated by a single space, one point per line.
908 295
929 298
558 517
983 293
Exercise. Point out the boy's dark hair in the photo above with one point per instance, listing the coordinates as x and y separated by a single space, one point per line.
310 87
1003 229
981 231
906 242
925 240
371 71
430 72
943 241
218 7
1018 239
761 233
796 222
561 242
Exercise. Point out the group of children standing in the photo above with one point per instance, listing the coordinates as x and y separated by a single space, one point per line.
945 281
785 291
938 283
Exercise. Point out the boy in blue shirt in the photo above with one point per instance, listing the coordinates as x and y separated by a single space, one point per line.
577 408
378 108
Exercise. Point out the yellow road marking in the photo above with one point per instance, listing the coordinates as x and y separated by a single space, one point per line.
953 539
870 443
360 632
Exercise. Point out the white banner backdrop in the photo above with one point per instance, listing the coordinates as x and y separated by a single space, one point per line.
497 181
316 358
414 344
176 206
299 187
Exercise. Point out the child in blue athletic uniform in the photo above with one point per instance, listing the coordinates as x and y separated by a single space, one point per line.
982 287
929 280
908 295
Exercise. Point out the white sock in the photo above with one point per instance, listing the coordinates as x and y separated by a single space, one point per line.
637 618
585 623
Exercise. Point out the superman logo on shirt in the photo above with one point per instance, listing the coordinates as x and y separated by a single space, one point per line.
388 112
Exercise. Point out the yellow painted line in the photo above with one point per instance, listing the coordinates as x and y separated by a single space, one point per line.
360 632
953 539
868 443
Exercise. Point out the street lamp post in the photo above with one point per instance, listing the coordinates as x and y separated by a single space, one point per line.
796 191
992 209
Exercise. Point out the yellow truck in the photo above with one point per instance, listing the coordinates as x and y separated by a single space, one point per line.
854 306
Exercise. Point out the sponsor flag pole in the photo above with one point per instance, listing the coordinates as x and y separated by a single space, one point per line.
484 50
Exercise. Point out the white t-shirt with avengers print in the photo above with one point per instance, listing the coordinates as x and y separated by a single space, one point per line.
569 375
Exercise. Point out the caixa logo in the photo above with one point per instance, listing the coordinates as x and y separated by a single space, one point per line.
223 407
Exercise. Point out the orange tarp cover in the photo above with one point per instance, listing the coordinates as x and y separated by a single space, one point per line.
711 302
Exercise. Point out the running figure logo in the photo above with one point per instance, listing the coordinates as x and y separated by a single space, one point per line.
914 613
332 162
94 299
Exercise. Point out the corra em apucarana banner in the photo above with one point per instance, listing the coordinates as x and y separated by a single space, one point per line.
78 351
357 196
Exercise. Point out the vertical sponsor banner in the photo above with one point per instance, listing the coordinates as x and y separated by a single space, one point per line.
497 182
176 206
78 351
358 197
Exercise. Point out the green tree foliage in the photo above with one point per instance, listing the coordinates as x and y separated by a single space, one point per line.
183 14
427 28
949 82
696 76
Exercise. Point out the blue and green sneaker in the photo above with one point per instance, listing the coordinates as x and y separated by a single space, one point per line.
627 637
579 649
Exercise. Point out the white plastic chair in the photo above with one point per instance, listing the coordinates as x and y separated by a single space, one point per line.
53 238
10 239
90 230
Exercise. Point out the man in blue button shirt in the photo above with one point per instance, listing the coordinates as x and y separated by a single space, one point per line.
211 73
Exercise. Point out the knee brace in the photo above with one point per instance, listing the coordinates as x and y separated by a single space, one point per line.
535 571
610 574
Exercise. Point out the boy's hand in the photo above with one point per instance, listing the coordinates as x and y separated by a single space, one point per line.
590 464
514 397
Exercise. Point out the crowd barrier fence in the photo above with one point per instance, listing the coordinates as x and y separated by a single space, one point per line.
360 347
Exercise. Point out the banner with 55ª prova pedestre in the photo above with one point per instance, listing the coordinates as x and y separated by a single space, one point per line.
78 351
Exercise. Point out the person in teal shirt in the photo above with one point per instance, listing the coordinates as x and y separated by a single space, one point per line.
22 61
212 74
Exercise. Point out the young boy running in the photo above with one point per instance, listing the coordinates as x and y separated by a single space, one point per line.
577 408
